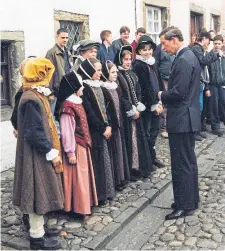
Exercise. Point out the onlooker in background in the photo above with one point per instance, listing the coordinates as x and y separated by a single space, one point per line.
62 60
140 32
164 62
86 49
212 35
217 88
105 51
223 47
123 40
194 37
205 60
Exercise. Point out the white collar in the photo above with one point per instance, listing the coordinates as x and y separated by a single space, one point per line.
121 68
74 99
43 90
81 58
109 85
150 61
181 48
92 83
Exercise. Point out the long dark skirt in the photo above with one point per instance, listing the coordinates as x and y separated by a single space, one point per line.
102 168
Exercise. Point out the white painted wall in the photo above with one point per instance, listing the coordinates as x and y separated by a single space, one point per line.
180 14
36 19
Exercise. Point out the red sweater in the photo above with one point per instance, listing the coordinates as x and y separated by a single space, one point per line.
134 46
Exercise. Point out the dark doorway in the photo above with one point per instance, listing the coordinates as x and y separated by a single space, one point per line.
5 75
196 22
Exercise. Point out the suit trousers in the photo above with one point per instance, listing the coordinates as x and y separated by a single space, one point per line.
184 170
217 106
151 124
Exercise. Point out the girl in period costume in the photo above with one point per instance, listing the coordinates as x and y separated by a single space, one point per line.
145 69
136 142
78 175
117 141
37 184
94 104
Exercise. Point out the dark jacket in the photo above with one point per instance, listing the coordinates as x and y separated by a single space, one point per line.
217 72
164 61
37 187
204 59
56 56
148 81
94 115
182 97
105 54
15 109
117 44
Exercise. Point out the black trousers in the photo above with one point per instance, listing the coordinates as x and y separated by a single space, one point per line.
184 170
217 106
151 124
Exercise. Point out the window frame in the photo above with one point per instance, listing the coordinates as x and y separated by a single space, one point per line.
154 34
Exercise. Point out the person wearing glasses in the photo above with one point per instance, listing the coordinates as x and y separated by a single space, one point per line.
62 60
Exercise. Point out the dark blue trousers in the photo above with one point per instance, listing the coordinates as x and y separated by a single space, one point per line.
217 106
184 170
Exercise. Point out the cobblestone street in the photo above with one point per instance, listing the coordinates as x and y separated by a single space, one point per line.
206 228
104 229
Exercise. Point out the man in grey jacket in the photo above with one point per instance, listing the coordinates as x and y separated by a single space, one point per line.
62 60
123 40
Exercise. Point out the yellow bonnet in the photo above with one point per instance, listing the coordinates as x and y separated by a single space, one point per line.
37 72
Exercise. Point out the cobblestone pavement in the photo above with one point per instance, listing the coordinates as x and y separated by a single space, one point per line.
205 230
106 221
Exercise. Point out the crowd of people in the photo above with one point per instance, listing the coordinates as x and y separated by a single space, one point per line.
87 125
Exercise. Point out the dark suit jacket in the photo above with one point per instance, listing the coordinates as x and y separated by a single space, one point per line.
182 97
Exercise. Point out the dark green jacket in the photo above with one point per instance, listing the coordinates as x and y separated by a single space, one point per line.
217 72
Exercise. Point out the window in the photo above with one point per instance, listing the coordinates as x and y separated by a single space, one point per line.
74 29
215 23
153 22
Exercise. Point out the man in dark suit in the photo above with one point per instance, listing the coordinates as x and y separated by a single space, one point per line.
183 120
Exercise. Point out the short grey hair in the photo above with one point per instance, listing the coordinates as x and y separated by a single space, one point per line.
171 32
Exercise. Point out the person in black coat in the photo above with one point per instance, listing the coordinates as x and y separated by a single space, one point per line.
183 120
139 157
100 128
144 67
205 59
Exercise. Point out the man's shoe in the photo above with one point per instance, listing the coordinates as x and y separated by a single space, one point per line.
203 135
198 137
217 132
178 214
164 134
44 244
158 163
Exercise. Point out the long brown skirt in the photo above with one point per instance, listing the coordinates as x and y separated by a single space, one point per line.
79 183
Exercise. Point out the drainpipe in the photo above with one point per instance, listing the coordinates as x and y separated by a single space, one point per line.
135 13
